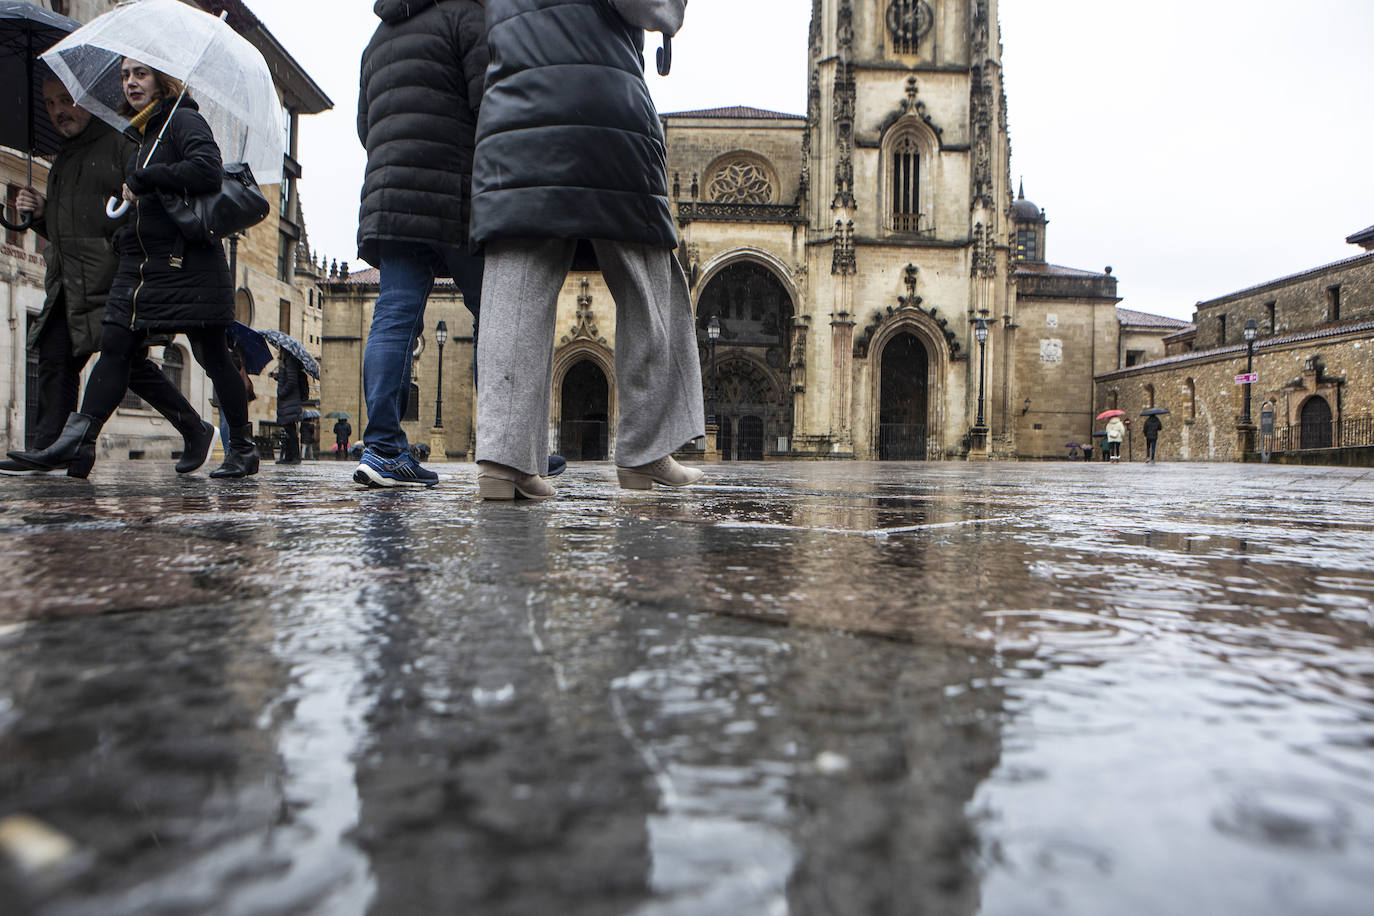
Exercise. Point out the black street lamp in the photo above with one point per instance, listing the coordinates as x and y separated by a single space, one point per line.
980 334
713 332
1251 331
441 338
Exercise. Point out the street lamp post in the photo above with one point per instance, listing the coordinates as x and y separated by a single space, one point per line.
980 334
1251 331
441 338
713 333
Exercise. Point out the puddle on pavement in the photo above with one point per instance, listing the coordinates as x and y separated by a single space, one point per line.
1093 691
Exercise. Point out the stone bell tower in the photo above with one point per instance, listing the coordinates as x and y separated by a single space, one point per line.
907 195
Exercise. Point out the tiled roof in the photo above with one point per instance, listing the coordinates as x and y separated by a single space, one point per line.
1363 237
372 276
734 111
1282 281
1145 320
1333 330
1054 270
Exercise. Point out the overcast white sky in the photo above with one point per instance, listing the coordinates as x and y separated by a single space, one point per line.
1196 146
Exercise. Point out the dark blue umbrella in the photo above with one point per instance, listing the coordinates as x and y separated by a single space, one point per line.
26 30
252 345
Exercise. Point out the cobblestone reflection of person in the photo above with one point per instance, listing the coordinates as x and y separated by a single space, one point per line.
570 149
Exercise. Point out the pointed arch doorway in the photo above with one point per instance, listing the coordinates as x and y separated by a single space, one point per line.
903 399
584 427
753 378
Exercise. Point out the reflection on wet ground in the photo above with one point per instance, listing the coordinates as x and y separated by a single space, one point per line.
803 688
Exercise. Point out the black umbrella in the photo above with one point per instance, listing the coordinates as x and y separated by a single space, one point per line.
283 341
1154 411
1099 434
26 30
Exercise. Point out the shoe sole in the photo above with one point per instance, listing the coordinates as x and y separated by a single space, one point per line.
369 478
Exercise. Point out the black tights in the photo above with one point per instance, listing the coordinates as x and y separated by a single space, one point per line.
119 345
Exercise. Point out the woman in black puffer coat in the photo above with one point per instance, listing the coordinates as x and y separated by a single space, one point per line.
164 283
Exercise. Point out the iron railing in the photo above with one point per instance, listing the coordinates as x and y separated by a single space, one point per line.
901 441
1345 433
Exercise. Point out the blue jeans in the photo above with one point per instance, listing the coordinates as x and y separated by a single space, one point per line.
408 270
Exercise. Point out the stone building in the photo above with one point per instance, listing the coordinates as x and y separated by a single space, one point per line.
274 272
849 255
348 302
1312 354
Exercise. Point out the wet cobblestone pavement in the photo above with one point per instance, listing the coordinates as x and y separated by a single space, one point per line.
805 688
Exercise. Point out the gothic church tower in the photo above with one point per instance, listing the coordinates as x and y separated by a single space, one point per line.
906 193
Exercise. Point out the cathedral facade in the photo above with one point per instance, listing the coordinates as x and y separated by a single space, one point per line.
866 283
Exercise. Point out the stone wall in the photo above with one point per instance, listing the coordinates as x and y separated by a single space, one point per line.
1205 403
347 318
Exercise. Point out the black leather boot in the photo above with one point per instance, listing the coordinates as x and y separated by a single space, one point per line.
242 457
73 450
195 447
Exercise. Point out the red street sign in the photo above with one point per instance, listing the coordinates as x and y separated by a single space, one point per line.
1247 377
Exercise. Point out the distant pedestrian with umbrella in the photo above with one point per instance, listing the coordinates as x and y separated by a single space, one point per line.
81 262
1116 434
154 290
292 389
343 431
1151 429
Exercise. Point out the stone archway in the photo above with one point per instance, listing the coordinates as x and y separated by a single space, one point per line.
921 355
584 416
753 373
903 399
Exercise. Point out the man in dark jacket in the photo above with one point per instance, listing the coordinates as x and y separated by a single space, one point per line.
88 169
1152 428
570 148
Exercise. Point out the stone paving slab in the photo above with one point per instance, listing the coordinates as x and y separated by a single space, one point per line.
802 687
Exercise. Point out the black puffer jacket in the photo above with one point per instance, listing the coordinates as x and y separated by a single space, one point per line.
420 89
292 388
148 292
569 144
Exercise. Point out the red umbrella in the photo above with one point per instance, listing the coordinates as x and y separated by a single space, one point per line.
1111 413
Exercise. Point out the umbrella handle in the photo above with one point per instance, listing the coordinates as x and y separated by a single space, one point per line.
664 58
25 221
115 208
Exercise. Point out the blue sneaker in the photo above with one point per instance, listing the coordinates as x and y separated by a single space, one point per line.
402 471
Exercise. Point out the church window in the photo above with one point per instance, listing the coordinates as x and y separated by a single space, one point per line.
1149 395
1135 358
1025 245
1190 392
1333 303
1221 332
906 181
740 182
908 21
1273 309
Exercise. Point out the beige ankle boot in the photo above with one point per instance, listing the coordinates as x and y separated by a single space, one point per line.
496 481
664 471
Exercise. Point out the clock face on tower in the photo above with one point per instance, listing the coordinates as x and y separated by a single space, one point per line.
909 21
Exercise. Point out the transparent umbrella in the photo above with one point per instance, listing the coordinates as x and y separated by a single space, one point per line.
227 75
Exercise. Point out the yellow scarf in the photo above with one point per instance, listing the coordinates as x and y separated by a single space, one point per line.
140 120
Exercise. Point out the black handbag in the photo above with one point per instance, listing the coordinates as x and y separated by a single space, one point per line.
206 218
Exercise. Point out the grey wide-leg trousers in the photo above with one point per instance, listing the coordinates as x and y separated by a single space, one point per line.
658 376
